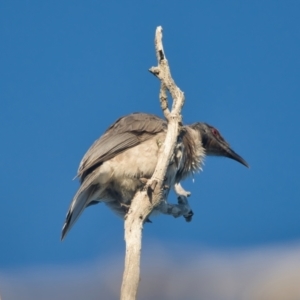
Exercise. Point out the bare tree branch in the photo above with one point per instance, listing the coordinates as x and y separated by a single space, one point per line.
150 197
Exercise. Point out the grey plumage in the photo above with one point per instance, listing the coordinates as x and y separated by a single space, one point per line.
114 167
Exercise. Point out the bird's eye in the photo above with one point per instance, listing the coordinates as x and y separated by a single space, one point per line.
215 132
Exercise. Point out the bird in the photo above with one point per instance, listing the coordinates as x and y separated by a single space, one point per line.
119 163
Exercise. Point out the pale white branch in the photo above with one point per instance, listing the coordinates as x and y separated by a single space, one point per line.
142 205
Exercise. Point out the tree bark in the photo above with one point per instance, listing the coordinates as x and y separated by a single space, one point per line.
142 205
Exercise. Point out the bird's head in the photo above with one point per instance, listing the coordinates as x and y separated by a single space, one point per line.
214 143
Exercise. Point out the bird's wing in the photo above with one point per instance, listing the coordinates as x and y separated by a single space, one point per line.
125 133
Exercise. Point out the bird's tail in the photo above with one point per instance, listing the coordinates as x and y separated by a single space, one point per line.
78 204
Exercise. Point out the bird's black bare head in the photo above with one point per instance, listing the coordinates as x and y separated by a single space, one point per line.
215 144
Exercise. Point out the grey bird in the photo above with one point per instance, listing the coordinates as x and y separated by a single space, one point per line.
117 165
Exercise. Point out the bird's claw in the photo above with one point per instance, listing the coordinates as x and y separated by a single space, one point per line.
188 217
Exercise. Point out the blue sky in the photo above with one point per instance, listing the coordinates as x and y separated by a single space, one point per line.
70 69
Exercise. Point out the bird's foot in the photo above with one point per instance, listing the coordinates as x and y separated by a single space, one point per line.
182 196
188 217
180 191
176 210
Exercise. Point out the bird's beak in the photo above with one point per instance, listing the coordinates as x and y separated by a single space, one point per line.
233 155
221 149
